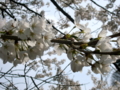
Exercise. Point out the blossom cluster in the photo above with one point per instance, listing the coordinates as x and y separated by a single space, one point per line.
100 63
29 39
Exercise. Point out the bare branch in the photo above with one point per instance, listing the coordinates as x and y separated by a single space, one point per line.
102 7
7 71
25 77
34 83
66 14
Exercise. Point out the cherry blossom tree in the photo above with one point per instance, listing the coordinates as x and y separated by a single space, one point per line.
26 36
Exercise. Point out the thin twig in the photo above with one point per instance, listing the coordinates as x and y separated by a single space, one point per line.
45 81
34 83
12 16
96 52
25 77
7 71
2 84
42 62
102 7
12 84
53 76
66 14
64 69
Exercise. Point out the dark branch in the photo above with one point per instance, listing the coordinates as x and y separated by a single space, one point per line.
7 71
10 37
34 83
2 10
66 14
103 53
90 44
61 41
25 77
103 7
115 35
10 14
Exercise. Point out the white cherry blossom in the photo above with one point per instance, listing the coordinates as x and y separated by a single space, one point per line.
104 44
78 63
105 69
8 47
106 59
103 33
2 23
76 66
86 30
32 35
59 49
23 56
118 41
69 54
32 52
16 62
20 30
38 25
8 52
10 25
96 68
86 37
77 24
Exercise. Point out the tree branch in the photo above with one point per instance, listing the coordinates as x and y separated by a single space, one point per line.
7 71
66 14
45 81
90 44
34 83
115 35
25 77
97 52
12 16
61 41
102 7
